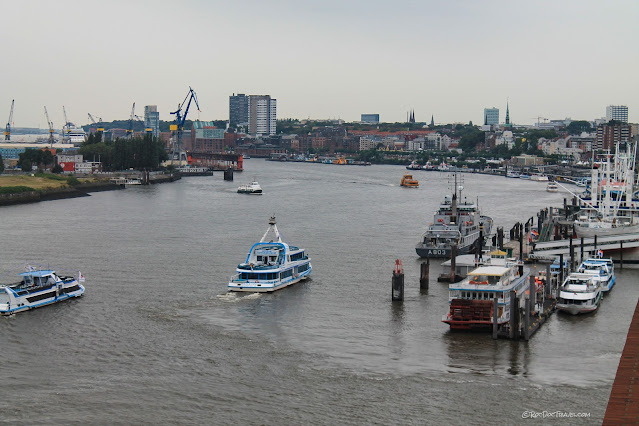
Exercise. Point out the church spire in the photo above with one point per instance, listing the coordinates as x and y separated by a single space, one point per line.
432 121
507 114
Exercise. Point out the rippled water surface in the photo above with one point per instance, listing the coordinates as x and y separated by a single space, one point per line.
157 339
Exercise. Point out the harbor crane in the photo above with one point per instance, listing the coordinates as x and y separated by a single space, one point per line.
7 130
50 124
67 123
94 121
129 131
179 123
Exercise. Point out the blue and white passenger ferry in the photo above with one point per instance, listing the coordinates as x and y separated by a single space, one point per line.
271 264
602 271
38 288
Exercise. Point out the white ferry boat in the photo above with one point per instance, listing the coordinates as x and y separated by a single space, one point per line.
579 294
552 187
250 188
38 288
271 264
602 271
471 300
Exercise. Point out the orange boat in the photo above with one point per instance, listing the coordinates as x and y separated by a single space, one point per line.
409 182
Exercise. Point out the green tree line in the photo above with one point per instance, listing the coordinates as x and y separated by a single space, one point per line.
138 153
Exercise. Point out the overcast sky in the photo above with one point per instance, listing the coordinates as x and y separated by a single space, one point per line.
320 58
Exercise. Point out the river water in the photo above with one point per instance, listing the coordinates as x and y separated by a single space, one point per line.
157 339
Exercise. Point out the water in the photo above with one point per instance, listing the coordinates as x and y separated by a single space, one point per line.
157 339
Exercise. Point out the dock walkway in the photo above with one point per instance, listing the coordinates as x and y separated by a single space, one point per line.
623 405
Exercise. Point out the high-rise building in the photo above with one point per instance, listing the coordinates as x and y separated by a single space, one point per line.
370 118
262 115
152 119
238 110
617 113
257 112
609 134
491 116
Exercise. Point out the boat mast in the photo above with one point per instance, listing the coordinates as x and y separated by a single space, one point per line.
273 227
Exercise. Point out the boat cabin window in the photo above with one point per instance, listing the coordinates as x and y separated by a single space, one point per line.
484 279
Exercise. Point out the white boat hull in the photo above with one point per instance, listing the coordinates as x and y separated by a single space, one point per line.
12 302
261 287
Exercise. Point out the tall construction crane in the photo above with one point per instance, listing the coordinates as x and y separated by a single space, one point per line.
7 130
179 122
132 118
50 124
94 121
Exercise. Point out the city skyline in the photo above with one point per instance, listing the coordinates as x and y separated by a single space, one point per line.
321 60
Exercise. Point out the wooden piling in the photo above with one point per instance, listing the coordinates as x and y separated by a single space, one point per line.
572 255
495 312
453 263
424 275
620 254
581 258
561 269
513 332
548 284
397 293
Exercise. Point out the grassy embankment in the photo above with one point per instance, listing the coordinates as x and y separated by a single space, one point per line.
40 182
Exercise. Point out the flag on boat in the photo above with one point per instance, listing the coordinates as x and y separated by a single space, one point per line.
600 253
535 233
29 268
80 277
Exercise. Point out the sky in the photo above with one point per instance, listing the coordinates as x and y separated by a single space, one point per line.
321 59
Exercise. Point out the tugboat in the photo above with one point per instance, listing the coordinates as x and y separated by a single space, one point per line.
38 288
271 264
409 182
458 223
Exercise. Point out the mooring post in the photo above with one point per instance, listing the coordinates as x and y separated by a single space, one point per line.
453 263
572 255
424 274
594 250
228 174
620 254
561 270
548 288
513 331
495 312
500 237
398 282
581 258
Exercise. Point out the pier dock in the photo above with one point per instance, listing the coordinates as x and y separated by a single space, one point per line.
623 405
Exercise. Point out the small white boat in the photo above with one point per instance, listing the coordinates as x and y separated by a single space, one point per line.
602 271
271 264
579 294
38 288
552 187
250 188
539 177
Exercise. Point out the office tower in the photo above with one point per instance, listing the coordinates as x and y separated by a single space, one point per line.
262 115
491 116
152 119
617 113
238 110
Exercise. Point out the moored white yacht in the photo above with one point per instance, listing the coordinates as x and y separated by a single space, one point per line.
579 294
602 271
271 264
38 288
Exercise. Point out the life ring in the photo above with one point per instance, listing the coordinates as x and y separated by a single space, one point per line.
440 220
